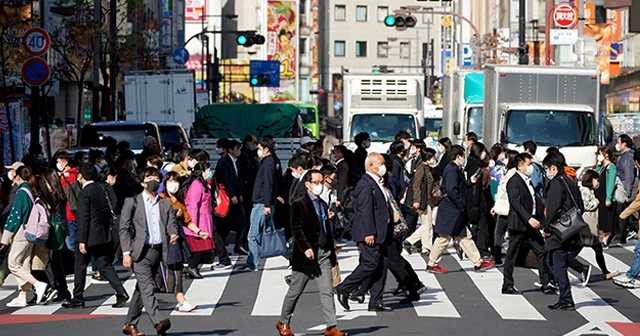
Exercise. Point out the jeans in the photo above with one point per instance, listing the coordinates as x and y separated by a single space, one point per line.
634 270
70 240
258 220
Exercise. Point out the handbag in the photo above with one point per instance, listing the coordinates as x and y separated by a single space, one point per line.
114 218
571 222
55 242
272 242
435 196
400 227
222 202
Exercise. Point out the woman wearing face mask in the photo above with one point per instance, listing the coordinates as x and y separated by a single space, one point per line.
398 151
443 146
177 254
590 236
418 196
605 193
108 178
501 206
480 200
198 202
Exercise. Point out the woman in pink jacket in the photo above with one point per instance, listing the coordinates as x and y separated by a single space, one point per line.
198 202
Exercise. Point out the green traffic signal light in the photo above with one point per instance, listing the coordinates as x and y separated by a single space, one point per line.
390 21
242 39
254 81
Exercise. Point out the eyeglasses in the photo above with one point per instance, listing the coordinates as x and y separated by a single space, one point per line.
316 182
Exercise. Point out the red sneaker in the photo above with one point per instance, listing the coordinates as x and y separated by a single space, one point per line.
484 265
437 269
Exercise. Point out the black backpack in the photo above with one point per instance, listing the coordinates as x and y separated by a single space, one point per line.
348 211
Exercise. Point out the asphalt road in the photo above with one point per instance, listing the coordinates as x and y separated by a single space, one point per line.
232 302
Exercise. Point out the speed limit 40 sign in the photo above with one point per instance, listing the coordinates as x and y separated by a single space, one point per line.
36 41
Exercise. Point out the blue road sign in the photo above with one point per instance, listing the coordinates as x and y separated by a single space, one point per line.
181 55
261 69
35 71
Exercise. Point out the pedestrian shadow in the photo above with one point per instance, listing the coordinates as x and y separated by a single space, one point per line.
204 333
365 331
218 305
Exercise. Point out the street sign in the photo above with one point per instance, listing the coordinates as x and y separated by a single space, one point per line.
181 55
444 54
36 41
35 71
565 16
467 55
264 71
563 36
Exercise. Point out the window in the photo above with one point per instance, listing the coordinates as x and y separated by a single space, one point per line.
303 45
361 49
383 127
383 49
340 13
382 13
405 50
361 13
550 128
338 48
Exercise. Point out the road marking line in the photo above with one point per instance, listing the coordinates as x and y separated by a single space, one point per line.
105 308
434 302
50 308
272 288
613 263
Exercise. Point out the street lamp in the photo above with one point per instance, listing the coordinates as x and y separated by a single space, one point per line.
205 41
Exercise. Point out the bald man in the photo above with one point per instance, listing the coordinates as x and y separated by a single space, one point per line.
369 231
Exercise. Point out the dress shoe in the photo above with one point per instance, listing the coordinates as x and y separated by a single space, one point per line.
62 296
131 329
241 251
121 300
548 290
284 329
420 288
412 297
407 247
73 304
162 327
287 279
563 306
356 298
380 308
333 331
343 299
510 290
399 291
193 273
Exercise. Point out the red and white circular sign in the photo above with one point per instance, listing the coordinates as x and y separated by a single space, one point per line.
36 41
565 16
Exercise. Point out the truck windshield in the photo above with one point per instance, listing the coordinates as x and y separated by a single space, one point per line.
433 126
98 136
172 135
474 120
383 127
308 115
550 128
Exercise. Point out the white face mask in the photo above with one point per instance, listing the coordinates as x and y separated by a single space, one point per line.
295 174
483 156
317 189
60 166
382 170
529 170
113 181
191 163
464 145
172 187
618 147
11 175
260 154
236 153
596 185
463 161
600 157
219 151
492 163
367 144
407 146
413 151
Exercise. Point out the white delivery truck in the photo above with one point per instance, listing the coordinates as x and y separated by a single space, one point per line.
553 106
432 124
382 105
462 96
161 96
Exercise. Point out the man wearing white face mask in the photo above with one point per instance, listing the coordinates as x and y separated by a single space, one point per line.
298 171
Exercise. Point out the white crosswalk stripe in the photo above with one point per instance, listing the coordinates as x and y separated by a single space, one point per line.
434 302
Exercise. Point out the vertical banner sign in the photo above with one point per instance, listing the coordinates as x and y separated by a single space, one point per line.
14 22
601 32
315 48
446 30
194 9
282 45
167 25
195 63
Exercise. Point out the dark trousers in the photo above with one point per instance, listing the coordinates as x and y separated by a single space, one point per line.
410 216
485 235
56 274
400 268
115 234
517 241
236 220
220 249
579 267
558 261
103 255
372 265
623 224
500 229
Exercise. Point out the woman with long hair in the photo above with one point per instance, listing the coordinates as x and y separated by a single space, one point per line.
443 146
605 193
480 201
198 201
20 254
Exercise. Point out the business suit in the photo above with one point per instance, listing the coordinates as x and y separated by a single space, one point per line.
94 230
342 178
308 213
227 174
371 218
297 189
134 238
521 234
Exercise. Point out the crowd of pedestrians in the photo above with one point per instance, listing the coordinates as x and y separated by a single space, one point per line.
163 220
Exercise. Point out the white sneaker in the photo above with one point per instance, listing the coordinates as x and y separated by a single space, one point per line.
19 302
40 288
187 307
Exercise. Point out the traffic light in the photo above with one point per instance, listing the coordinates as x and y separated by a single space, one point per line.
260 80
401 20
249 39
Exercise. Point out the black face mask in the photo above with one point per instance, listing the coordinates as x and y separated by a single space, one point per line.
152 186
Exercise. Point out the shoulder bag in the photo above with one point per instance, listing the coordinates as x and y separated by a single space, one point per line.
571 222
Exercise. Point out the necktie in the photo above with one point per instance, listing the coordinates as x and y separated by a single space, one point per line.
322 219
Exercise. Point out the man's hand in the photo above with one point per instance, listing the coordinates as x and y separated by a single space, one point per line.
126 261
534 223
234 200
607 203
267 211
545 234
280 199
474 178
82 248
416 206
332 214
338 204
370 240
309 254
493 212
173 239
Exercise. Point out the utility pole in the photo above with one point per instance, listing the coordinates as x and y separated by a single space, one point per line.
113 58
522 26
97 50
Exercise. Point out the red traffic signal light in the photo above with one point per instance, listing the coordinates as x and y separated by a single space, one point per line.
317 92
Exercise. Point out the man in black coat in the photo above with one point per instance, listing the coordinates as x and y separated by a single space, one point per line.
298 170
340 153
313 254
94 238
369 231
524 225
358 169
227 174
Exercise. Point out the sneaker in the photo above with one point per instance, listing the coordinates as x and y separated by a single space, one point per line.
98 279
187 307
625 281
224 266
50 294
18 302
41 289
611 275
437 269
551 284
585 276
631 235
407 247
484 265
459 251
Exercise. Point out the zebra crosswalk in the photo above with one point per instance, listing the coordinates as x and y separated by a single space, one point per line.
448 295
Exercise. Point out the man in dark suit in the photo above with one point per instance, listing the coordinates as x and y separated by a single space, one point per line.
340 153
298 166
94 238
523 224
142 253
363 141
227 174
369 231
313 254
